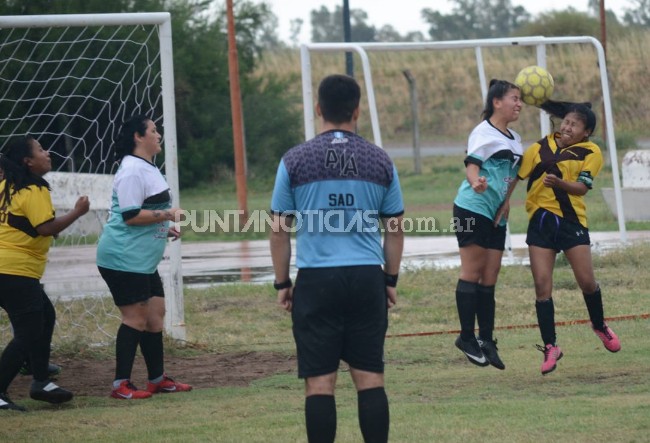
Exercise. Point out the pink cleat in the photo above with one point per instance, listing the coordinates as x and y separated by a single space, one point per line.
609 338
551 355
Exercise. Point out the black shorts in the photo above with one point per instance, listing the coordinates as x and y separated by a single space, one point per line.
21 295
128 288
476 229
550 231
338 314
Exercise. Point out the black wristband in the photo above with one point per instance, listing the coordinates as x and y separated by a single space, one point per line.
390 279
283 285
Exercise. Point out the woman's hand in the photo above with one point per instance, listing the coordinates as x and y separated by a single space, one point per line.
502 212
479 185
174 233
552 181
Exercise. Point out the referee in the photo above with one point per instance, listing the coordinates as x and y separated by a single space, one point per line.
339 192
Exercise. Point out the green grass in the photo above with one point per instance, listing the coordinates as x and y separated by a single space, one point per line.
435 394
430 194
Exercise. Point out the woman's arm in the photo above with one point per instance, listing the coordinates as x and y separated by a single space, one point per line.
58 224
150 217
478 183
573 188
504 209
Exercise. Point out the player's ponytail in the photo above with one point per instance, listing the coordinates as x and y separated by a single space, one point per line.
560 109
125 143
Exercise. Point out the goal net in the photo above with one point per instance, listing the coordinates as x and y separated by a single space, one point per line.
70 81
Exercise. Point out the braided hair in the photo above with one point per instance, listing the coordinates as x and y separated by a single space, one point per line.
17 174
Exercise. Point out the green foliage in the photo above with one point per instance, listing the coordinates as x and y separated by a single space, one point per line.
570 22
327 26
639 16
200 50
472 19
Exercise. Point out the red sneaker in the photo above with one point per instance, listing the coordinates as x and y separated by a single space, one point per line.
167 385
609 339
128 391
551 355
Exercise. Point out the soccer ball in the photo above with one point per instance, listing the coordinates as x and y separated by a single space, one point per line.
536 85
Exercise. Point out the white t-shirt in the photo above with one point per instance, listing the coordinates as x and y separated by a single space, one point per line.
138 184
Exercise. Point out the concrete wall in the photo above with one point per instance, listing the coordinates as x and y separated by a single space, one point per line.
68 187
635 170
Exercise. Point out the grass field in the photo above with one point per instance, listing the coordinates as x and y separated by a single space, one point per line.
435 394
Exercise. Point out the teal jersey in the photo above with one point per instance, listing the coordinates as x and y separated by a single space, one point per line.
498 156
138 185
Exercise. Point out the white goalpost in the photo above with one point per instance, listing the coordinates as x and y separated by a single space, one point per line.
539 43
70 81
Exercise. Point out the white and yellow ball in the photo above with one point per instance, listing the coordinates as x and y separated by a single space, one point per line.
536 85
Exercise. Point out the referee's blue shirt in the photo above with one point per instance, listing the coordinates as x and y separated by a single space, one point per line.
338 186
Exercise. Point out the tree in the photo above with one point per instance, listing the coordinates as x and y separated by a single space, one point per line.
570 22
639 16
296 27
471 19
327 26
203 118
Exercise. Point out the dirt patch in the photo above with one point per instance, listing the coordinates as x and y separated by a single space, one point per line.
94 377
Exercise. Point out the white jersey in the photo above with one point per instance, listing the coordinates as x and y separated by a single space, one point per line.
138 185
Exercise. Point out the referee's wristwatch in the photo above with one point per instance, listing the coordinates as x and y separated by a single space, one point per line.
282 285
390 279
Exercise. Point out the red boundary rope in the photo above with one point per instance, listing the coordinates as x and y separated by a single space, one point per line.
530 326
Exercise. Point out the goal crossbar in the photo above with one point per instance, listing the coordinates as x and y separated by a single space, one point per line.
539 42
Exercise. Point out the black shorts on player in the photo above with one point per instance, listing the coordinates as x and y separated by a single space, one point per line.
476 229
128 288
550 231
339 313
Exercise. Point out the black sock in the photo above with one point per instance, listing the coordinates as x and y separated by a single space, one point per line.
320 417
546 320
485 311
374 416
151 345
594 304
466 293
126 344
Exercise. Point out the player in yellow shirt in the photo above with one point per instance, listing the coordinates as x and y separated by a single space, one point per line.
27 224
560 169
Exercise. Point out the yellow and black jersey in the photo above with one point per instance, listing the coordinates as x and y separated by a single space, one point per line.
22 250
577 163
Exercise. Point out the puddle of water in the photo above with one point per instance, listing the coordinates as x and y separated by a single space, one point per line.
264 274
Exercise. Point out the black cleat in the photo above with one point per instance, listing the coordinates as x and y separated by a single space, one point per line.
489 348
472 350
51 393
7 405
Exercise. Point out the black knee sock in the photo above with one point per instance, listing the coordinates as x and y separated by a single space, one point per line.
320 417
374 417
485 311
594 304
466 294
151 345
546 320
126 344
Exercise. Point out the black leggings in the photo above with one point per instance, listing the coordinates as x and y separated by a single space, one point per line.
32 318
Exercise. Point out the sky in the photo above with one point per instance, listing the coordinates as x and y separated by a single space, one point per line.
407 17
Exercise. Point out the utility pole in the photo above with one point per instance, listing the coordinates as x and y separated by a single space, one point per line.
236 112
347 37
